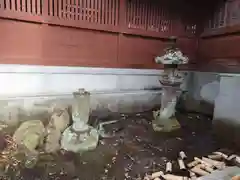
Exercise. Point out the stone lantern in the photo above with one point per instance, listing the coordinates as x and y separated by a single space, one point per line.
171 80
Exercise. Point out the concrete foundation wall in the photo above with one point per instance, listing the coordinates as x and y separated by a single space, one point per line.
33 89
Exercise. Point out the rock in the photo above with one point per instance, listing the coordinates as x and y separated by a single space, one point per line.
52 141
30 134
58 123
59 120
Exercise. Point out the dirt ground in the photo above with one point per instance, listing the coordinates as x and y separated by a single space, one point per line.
132 151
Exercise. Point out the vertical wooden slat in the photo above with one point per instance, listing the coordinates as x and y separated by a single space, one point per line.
156 17
85 10
134 14
128 14
68 9
74 4
33 7
149 16
63 9
99 2
128 19
7 4
111 12
18 5
95 7
60 9
14 5
152 15
144 17
139 14
114 11
136 17
226 14
133 9
84 6
117 12
29 5
106 12
145 14
93 11
90 10
10 4
80 9
131 21
55 8
123 6
77 9
50 7
162 19
38 7
103 12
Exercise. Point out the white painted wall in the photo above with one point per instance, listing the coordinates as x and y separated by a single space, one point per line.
127 90
21 80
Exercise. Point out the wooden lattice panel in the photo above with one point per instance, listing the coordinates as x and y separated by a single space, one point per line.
218 18
149 16
233 12
91 11
33 7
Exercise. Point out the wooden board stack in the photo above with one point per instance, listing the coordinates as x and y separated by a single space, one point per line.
197 168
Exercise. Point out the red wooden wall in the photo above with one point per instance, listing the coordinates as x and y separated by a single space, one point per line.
96 33
220 41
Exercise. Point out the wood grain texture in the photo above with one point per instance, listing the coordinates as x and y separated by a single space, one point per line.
138 52
79 47
41 44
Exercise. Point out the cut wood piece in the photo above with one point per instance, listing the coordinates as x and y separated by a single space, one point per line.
169 167
182 155
156 174
174 177
215 157
221 154
230 158
237 159
206 168
235 178
147 177
192 175
203 162
197 169
218 164
181 164
192 164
